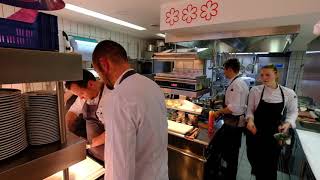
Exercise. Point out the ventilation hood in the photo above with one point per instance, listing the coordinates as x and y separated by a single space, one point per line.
273 44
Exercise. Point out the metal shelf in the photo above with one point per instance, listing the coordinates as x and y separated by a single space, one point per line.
192 94
23 66
39 162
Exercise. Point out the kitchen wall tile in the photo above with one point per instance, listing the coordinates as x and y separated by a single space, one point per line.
178 65
6 85
60 24
125 38
106 35
112 36
74 28
66 25
92 31
121 37
7 10
17 86
80 29
198 64
86 30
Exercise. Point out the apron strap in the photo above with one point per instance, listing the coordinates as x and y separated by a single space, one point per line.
127 74
224 99
283 100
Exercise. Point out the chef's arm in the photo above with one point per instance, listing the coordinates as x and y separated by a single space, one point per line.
99 140
71 118
222 111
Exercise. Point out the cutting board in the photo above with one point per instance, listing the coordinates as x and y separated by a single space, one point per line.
179 127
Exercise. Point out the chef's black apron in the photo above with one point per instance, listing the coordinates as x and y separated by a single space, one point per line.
233 135
263 149
94 127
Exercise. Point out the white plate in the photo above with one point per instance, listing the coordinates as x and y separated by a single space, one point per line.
10 116
7 91
13 149
7 128
10 96
43 108
38 111
14 140
10 123
12 102
12 153
11 134
43 139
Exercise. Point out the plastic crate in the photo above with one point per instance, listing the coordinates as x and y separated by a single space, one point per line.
41 35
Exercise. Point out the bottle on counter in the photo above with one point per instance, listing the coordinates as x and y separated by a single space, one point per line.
211 123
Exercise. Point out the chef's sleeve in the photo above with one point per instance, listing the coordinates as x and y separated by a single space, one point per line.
253 94
77 106
292 109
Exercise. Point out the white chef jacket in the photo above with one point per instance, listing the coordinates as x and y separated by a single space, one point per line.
77 106
236 96
137 131
274 96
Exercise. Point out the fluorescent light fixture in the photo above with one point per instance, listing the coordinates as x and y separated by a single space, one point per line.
102 17
201 49
312 52
242 53
250 53
161 35
261 52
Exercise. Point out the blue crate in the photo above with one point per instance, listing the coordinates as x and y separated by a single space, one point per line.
17 34
41 35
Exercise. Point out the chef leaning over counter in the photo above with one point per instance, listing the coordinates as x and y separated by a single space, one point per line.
272 109
89 92
135 114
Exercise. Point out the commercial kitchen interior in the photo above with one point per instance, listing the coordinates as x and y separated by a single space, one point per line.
284 33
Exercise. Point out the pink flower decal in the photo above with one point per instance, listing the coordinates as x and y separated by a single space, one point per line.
172 16
209 10
189 13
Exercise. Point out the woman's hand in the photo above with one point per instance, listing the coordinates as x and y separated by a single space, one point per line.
251 127
284 128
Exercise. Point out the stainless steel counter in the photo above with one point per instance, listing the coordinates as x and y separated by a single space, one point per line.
39 162
186 157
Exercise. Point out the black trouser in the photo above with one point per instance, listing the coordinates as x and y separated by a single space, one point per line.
263 155
231 151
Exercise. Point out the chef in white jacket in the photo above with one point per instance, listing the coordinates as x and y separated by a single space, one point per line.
271 109
136 145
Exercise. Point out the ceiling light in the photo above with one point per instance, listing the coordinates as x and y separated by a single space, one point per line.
201 49
261 52
312 52
102 17
161 35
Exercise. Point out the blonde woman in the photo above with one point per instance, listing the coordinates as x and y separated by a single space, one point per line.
271 109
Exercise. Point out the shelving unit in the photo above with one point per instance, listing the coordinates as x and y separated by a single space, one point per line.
192 94
24 66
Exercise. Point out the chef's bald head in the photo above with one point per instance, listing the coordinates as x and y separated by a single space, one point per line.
111 51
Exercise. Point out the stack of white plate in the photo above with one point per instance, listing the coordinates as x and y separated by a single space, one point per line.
13 137
42 117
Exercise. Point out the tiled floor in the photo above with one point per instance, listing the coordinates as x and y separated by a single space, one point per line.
244 168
